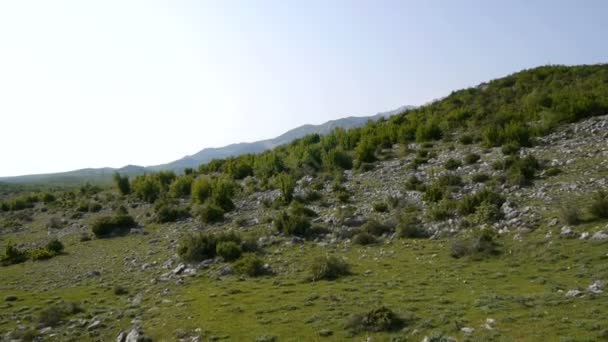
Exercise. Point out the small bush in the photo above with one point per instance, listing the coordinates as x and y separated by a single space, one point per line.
376 320
181 187
442 211
55 223
229 250
120 290
480 245
554 171
169 212
55 246
122 183
466 139
434 193
201 189
472 158
291 224
328 268
414 184
375 228
364 238
54 315
510 149
480 177
469 204
12 255
409 225
250 265
40 254
452 164
570 214
199 247
211 213
599 204
380 207
108 225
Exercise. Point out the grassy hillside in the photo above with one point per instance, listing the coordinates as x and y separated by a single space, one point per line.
482 216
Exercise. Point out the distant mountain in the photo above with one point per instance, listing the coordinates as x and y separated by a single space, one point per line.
232 150
104 175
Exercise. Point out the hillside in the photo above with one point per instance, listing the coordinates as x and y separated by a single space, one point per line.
482 216
104 175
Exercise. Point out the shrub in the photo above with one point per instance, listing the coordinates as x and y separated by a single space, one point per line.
122 183
375 228
480 177
40 254
343 196
376 320
337 159
120 290
364 238
466 139
554 171
452 164
12 255
380 207
409 224
492 136
105 226
510 148
55 223
199 247
449 180
428 131
328 268
181 187
301 210
201 189
211 213
287 186
469 204
55 246
599 204
147 188
55 314
229 250
480 245
414 184
442 210
250 265
486 212
366 151
169 212
47 198
223 191
472 158
434 193
570 214
292 224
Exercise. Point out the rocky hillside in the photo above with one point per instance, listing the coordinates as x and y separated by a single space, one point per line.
451 234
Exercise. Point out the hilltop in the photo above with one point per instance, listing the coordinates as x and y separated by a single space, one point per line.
480 216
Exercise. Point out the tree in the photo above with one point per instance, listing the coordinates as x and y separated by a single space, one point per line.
122 183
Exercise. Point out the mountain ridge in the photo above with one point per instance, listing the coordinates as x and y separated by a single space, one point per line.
104 174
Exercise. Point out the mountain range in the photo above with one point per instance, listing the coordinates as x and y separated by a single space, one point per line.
104 175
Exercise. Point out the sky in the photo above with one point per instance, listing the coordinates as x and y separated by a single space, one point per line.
111 83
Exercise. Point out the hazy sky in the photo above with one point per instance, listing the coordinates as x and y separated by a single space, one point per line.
110 83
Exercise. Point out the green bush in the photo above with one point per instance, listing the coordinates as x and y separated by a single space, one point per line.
12 255
229 250
599 204
167 211
223 191
250 265
409 224
290 224
328 268
480 177
105 226
414 184
554 171
570 214
211 213
480 244
472 158
380 207
434 193
442 211
375 320
466 139
287 186
364 238
55 246
181 187
428 131
55 314
366 151
122 183
147 188
202 246
376 228
201 189
510 148
337 159
470 203
40 254
452 164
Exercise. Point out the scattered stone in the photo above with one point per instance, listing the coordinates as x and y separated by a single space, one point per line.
596 287
93 274
179 269
45 330
567 232
96 324
490 323
467 330
600 236
325 333
574 293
